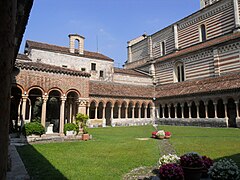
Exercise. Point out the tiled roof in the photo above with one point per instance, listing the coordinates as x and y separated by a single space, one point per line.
23 57
209 43
130 72
65 50
120 90
49 68
207 85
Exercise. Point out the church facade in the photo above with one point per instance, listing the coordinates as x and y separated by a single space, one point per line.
185 74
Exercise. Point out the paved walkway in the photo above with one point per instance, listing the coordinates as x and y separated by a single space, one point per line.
18 171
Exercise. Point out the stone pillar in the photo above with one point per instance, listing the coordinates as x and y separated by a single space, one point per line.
237 108
182 109
82 105
24 105
158 111
44 108
70 111
169 111
119 112
197 104
111 112
152 112
175 27
215 110
236 15
145 112
126 112
104 112
133 112
206 110
88 110
62 111
175 110
75 104
163 111
95 115
225 112
189 110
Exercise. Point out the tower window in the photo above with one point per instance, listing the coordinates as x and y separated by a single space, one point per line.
163 48
179 72
101 74
93 66
203 33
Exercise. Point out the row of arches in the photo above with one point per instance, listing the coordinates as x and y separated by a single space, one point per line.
119 110
218 108
53 107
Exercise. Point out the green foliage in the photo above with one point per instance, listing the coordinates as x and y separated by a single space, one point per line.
33 128
36 119
70 127
81 120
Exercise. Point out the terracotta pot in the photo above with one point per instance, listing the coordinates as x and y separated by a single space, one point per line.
85 137
192 173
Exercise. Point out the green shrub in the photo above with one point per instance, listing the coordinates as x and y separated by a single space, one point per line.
81 120
33 128
70 127
36 119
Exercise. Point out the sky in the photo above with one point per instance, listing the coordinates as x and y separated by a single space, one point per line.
107 25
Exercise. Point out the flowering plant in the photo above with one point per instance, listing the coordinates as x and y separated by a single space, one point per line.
154 134
168 133
224 169
171 171
166 159
160 133
193 160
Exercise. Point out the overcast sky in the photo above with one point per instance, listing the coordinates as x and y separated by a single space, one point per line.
112 22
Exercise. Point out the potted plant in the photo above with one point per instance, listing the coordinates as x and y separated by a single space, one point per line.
192 165
207 163
224 169
171 171
166 159
70 129
167 135
81 120
161 134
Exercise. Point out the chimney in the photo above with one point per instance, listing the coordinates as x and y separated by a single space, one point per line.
75 38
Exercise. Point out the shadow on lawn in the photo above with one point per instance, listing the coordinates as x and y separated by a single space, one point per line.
234 157
37 165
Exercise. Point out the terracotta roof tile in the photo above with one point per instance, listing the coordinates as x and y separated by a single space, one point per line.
49 68
130 72
120 90
208 85
65 50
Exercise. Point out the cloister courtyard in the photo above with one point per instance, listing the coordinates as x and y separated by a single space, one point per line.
115 151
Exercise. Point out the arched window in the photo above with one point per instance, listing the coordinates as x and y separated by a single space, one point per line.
179 72
163 48
203 36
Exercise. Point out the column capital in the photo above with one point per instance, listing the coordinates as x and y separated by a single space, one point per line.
24 96
236 102
63 98
45 98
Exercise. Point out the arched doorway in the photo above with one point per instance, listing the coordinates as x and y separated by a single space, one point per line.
193 110
211 113
53 110
34 107
100 111
202 113
115 110
232 114
92 110
108 113
71 106
123 110
130 110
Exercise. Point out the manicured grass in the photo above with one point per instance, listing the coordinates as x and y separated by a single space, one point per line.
115 151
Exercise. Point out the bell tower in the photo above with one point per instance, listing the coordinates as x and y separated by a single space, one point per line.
204 3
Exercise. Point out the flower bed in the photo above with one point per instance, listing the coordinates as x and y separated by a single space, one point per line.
161 134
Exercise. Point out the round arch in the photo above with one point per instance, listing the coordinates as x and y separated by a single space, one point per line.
35 87
55 89
73 90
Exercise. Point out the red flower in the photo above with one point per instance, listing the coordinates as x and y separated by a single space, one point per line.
167 133
154 134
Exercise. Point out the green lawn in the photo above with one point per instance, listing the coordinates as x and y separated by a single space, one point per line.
115 151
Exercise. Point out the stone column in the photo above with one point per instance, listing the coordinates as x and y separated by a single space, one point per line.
225 112
182 109
119 112
237 108
169 111
95 115
163 111
236 15
189 110
44 108
126 112
70 111
133 112
145 112
175 111
88 110
206 110
24 105
104 112
62 110
197 104
158 111
215 110
152 112
111 112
